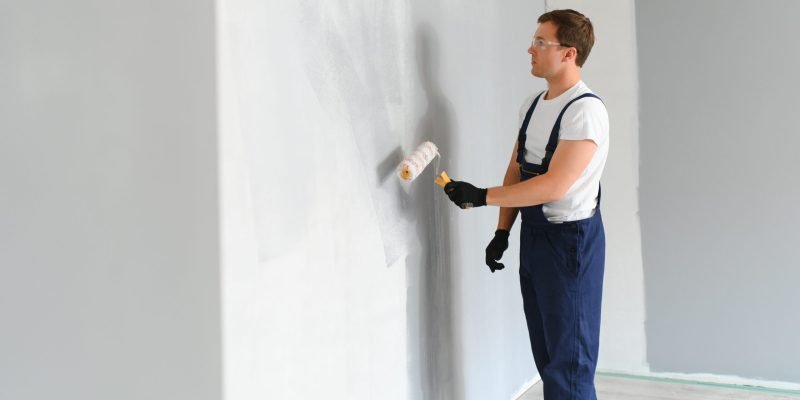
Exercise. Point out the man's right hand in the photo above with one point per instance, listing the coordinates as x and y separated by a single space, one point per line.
495 249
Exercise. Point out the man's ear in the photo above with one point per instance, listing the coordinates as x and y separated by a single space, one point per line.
571 54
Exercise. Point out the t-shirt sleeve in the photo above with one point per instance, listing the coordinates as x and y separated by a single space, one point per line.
585 119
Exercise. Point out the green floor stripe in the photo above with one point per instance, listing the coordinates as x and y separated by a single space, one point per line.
700 383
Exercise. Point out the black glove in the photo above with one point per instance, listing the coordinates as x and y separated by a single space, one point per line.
465 195
495 249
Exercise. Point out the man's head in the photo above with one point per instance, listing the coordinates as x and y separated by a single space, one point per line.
563 39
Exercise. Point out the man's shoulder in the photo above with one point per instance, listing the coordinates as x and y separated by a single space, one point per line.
583 89
591 102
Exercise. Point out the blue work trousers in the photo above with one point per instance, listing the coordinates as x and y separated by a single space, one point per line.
561 275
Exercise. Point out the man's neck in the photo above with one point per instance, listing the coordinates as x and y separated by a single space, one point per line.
558 85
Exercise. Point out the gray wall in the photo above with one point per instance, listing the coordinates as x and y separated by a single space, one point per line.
108 215
719 187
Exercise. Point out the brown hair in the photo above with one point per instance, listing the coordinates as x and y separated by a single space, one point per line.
574 30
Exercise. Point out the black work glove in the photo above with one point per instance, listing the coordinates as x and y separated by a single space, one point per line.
465 195
495 249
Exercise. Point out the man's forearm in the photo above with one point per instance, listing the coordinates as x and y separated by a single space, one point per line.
508 214
507 217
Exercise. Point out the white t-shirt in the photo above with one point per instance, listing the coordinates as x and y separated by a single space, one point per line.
585 119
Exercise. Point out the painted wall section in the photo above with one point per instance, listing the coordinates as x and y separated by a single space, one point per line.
312 117
718 139
611 71
109 250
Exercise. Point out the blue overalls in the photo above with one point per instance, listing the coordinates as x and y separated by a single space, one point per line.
561 275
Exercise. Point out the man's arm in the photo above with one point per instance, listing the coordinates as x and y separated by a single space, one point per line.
509 214
569 161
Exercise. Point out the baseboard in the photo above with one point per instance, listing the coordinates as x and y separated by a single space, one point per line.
525 387
726 381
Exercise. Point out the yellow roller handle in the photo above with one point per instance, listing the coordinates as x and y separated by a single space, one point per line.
442 179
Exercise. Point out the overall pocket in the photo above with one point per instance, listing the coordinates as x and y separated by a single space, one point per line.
565 244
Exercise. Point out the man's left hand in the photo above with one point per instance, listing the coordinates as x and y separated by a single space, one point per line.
465 195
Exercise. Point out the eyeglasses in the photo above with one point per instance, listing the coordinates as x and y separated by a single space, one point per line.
541 43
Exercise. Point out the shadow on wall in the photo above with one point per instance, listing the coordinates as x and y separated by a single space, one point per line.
433 354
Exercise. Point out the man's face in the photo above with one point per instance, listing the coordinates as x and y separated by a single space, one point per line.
546 58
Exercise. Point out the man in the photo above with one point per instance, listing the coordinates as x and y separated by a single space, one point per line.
553 180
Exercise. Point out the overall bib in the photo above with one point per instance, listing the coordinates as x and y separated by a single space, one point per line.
561 276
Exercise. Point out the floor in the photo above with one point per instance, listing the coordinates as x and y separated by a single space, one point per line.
622 388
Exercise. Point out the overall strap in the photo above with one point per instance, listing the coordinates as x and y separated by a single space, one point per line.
523 131
553 141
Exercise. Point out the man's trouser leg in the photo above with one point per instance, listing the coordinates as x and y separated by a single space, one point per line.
561 276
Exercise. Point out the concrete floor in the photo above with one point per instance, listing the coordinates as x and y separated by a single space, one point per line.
617 388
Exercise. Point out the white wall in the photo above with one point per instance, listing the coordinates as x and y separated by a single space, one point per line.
339 280
311 123
108 212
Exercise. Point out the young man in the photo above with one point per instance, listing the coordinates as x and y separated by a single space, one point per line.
553 180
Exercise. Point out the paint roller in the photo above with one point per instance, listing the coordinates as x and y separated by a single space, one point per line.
412 166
